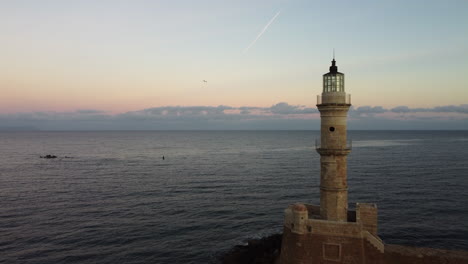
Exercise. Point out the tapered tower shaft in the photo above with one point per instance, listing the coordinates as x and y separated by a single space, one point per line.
329 233
333 146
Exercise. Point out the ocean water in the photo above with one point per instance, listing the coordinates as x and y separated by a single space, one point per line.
113 199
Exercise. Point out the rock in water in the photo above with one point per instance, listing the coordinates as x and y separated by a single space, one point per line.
257 251
49 157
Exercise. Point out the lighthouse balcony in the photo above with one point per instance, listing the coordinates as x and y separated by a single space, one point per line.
348 146
334 98
323 149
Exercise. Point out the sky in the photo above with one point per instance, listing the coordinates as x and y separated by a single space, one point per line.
140 64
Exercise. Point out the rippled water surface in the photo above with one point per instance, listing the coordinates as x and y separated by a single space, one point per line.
115 200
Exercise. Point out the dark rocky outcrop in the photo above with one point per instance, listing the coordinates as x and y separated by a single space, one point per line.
49 157
258 251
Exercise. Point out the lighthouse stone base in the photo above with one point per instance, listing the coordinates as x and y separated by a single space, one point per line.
309 239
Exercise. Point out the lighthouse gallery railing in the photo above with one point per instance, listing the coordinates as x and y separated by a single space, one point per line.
349 144
345 98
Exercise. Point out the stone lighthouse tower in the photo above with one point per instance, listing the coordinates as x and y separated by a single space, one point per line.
330 233
333 148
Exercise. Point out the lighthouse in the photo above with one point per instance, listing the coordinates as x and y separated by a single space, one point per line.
330 232
333 146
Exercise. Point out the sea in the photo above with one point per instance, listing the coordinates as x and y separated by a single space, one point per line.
110 197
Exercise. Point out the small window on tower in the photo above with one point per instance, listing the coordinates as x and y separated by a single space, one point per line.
332 129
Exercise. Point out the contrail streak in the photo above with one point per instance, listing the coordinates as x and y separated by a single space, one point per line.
261 32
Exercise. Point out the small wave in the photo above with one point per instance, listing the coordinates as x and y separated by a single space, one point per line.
382 143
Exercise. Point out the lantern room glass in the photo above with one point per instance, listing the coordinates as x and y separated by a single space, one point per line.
333 83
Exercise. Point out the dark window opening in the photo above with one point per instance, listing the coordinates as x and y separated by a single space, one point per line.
332 129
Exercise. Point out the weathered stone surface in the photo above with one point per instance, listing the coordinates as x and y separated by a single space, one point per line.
316 240
333 163
268 249
396 254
